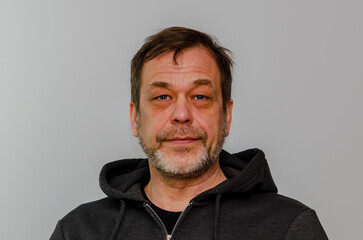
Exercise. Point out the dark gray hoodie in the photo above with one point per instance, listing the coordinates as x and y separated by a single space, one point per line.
245 206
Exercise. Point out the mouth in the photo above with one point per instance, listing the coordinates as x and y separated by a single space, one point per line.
182 140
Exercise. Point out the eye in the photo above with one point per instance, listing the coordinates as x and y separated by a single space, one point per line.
163 97
200 97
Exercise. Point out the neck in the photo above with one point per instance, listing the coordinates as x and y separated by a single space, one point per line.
163 191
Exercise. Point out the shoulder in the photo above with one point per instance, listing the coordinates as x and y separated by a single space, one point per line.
275 214
93 209
267 202
90 219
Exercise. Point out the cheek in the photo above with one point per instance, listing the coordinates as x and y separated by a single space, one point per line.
152 122
211 124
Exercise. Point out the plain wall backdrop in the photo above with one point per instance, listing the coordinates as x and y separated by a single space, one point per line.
64 99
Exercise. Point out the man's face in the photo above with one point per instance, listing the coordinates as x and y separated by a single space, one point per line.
181 124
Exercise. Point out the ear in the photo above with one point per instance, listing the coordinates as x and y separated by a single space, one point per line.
133 119
229 108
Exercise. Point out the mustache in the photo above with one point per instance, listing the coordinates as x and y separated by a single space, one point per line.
182 131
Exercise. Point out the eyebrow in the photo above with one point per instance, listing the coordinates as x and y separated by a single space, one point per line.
160 84
198 82
203 82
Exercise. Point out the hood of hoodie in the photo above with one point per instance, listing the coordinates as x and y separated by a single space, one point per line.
247 172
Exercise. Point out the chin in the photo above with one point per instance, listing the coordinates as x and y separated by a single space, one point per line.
182 163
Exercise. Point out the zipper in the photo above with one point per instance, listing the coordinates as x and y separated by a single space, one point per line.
177 221
157 216
168 237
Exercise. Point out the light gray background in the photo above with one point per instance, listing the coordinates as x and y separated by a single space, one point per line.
64 98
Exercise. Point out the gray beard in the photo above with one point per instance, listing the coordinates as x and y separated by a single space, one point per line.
195 164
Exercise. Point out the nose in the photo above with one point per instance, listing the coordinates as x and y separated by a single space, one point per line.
182 112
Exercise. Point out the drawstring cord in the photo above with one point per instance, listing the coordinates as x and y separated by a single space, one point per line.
216 218
115 229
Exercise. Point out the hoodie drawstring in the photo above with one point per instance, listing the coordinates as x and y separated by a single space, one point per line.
216 216
119 217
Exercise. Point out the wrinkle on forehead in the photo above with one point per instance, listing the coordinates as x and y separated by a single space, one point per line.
198 82
195 67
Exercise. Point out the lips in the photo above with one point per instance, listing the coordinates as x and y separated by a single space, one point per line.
182 140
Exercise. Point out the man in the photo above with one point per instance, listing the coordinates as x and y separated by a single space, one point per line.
188 188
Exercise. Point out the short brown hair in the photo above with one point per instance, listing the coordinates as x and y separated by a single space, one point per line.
178 39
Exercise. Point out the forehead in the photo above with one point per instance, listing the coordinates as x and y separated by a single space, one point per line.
191 63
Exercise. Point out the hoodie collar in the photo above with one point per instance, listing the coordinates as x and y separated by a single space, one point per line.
246 171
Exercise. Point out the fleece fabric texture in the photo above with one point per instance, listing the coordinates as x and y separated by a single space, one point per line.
245 206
